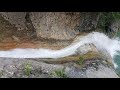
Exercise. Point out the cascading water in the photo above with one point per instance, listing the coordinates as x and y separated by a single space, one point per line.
100 40
117 56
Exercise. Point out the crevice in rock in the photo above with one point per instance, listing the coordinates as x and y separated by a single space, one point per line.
31 32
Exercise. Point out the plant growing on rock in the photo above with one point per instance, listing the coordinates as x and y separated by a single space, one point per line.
60 73
1 73
27 69
107 17
80 61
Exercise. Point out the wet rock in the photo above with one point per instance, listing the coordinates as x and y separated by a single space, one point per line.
86 48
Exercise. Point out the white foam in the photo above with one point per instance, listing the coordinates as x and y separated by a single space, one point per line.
100 40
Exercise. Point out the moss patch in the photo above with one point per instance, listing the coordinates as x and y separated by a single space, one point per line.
80 59
91 55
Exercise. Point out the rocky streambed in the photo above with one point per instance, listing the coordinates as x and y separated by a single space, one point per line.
51 29
91 64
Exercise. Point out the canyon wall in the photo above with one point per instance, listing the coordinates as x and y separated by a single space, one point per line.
54 25
45 26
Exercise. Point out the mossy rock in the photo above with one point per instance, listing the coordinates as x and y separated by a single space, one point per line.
84 57
91 55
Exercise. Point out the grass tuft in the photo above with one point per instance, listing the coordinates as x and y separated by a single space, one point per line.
27 69
60 73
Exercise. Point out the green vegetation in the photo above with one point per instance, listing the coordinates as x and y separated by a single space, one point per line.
1 73
27 69
107 17
88 56
60 73
80 61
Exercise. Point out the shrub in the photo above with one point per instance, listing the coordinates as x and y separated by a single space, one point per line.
106 17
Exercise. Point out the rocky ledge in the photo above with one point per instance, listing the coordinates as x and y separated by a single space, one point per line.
31 68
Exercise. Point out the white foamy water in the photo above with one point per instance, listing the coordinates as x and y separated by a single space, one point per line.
100 40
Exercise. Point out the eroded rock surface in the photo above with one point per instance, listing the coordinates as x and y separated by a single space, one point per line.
17 68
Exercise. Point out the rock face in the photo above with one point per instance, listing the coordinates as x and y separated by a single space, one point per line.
19 22
55 25
113 27
50 29
62 25
15 18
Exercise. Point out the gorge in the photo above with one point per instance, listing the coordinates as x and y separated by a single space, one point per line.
49 38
